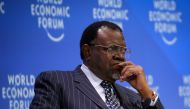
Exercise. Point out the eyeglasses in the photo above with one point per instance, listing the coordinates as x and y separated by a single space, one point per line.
113 49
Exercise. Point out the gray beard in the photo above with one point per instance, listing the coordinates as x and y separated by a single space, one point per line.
116 76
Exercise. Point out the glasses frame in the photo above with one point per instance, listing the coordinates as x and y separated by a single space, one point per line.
110 50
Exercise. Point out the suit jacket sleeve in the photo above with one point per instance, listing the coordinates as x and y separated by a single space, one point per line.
46 96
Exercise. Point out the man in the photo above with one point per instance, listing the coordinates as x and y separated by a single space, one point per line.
92 84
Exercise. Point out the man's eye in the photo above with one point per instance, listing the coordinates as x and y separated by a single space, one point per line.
114 47
111 48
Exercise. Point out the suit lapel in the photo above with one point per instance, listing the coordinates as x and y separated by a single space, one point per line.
84 85
123 97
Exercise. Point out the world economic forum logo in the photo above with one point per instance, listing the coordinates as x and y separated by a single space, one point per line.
165 18
50 17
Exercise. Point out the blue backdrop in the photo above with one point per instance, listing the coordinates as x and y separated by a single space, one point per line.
40 35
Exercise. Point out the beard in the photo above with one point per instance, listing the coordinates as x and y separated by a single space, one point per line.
115 72
116 75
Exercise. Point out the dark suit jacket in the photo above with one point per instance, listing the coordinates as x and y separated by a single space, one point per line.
72 90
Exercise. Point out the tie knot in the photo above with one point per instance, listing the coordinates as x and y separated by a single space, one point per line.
106 84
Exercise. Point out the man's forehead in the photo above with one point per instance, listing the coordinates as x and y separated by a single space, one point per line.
105 31
108 35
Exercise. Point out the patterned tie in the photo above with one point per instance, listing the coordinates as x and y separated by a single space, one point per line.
111 100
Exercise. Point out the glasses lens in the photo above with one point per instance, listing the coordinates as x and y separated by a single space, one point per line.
116 49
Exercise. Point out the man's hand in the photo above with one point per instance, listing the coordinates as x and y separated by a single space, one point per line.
134 75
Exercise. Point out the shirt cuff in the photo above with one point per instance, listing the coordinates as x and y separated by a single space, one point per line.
153 102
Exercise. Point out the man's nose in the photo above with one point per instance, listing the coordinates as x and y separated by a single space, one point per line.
119 56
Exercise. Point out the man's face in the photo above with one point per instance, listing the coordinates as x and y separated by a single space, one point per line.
103 61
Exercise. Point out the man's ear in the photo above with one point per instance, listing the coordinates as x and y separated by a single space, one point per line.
86 52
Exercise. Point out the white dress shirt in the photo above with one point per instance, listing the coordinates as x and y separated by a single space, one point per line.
95 81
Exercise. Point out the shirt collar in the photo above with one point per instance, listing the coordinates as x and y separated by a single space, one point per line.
95 81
